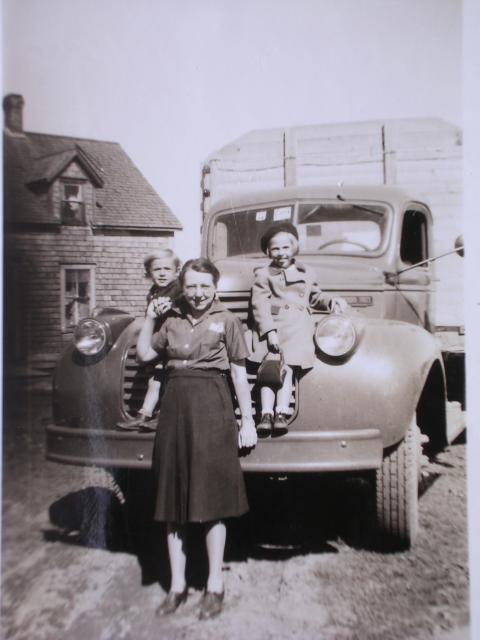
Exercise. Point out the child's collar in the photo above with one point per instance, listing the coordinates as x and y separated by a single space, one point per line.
277 270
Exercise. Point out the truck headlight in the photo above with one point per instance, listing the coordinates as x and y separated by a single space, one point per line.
335 335
90 336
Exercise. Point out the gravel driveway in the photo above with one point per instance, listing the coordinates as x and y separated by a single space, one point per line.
78 564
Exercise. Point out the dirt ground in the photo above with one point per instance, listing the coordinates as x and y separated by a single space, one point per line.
78 564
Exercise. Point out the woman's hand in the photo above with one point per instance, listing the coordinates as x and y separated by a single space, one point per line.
247 436
272 341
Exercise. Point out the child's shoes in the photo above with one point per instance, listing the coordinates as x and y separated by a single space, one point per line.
131 424
264 427
280 424
148 424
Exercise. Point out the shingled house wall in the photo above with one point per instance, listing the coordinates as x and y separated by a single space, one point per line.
36 260
121 220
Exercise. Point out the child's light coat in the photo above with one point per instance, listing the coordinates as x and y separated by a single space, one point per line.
282 300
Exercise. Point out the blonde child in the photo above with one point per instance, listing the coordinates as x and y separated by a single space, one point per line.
162 268
283 294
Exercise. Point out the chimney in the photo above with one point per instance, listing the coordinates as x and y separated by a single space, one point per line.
13 108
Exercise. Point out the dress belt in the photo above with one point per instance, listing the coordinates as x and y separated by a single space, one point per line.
175 371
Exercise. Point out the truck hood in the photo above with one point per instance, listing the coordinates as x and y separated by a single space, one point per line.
332 272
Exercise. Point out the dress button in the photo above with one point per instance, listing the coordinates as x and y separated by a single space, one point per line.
184 362
301 295
186 346
287 307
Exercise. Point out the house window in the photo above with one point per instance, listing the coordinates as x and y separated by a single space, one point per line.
73 206
77 293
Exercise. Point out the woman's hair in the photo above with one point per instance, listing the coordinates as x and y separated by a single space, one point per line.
160 255
293 240
202 265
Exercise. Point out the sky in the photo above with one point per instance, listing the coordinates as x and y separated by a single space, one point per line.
173 82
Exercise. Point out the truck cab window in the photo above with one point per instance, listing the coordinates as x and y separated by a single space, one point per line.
334 228
238 232
414 240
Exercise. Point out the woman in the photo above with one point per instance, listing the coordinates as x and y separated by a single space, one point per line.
195 460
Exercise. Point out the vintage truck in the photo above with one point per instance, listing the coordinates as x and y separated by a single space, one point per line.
422 156
377 392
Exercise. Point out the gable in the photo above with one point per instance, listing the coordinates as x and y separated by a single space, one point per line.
122 196
48 168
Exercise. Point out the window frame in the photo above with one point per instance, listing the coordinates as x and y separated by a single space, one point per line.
63 297
72 182
408 211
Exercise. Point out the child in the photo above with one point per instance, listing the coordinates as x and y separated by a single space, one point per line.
162 267
282 296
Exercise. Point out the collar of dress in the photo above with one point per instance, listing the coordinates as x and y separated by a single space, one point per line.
181 309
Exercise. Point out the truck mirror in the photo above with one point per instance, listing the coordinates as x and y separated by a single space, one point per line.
459 248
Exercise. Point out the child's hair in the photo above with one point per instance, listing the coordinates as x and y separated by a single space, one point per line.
159 255
201 265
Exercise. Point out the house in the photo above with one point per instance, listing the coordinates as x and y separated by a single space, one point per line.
79 217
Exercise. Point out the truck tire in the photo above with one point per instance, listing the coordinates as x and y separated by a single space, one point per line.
397 483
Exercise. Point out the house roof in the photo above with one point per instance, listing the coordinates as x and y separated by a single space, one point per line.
47 168
124 198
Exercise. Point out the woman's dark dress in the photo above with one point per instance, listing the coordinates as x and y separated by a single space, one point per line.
195 459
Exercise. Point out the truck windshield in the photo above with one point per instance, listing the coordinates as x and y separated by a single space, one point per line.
327 228
239 233
341 228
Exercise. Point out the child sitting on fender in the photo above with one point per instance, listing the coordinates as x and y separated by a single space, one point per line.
283 294
162 267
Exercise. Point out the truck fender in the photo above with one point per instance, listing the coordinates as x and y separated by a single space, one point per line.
395 370
86 390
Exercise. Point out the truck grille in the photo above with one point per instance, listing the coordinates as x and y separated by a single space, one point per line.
135 382
136 377
237 303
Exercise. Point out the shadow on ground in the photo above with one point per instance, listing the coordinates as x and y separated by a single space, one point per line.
288 517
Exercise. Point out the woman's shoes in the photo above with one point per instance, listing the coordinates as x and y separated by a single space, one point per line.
172 601
211 605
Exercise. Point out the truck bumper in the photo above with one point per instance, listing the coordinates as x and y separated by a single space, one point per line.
294 452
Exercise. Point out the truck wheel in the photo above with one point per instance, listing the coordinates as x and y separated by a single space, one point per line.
397 492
